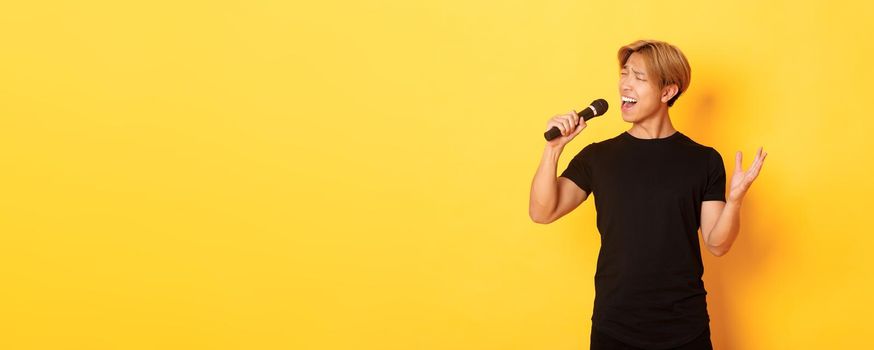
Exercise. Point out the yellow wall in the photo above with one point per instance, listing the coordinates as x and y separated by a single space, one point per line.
355 175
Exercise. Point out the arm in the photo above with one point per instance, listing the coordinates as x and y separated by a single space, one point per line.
720 224
720 221
551 197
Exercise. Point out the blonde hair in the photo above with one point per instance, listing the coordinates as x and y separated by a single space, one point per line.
664 60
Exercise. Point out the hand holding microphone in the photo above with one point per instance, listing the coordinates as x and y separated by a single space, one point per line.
562 128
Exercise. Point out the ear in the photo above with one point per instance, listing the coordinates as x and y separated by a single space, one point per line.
668 92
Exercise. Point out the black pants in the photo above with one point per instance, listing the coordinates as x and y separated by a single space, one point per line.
601 341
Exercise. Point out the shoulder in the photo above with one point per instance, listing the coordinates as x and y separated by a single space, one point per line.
606 143
707 154
589 149
689 143
599 147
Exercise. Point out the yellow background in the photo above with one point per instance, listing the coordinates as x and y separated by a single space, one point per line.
355 175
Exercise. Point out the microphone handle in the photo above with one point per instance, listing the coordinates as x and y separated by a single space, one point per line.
586 114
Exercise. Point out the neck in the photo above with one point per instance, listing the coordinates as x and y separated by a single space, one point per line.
655 126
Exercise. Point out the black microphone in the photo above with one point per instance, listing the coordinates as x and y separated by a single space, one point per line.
595 109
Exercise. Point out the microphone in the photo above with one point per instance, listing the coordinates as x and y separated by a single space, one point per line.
595 109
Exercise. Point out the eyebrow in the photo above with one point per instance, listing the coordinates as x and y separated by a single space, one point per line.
626 67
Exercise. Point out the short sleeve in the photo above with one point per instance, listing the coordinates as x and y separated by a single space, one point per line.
579 170
715 190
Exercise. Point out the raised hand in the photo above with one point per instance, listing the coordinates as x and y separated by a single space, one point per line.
570 124
741 180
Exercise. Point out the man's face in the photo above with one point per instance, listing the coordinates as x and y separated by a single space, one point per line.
636 84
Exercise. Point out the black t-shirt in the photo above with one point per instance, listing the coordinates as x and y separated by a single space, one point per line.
649 290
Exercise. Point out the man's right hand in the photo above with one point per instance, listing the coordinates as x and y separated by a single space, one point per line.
567 123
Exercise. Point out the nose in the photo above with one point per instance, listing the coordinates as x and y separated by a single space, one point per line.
623 84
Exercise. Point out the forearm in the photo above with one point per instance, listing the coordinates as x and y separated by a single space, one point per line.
725 230
544 190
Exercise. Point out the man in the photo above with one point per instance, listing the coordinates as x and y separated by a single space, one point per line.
654 187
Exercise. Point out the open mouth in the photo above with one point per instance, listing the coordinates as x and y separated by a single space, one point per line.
628 103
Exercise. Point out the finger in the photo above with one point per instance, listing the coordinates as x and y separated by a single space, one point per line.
753 174
578 130
560 126
566 128
738 160
758 156
569 122
754 171
550 124
758 168
555 123
762 159
761 163
570 119
576 117
748 176
755 162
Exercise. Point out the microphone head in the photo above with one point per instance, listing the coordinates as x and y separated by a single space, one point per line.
600 106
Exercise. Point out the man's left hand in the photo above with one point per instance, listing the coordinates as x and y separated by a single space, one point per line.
741 180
